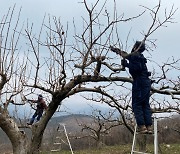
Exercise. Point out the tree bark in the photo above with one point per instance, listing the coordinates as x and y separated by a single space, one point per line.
142 142
39 128
17 137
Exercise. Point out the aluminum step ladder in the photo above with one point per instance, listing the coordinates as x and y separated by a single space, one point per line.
61 140
155 134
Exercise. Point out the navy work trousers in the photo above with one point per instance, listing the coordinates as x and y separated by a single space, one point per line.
140 101
37 114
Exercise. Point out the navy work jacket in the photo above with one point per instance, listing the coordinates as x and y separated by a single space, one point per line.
139 72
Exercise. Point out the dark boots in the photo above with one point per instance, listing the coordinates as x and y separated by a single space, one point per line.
145 129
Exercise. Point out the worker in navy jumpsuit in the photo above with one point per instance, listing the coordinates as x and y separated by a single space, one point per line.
140 87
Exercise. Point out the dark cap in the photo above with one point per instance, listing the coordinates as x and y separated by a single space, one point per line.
139 46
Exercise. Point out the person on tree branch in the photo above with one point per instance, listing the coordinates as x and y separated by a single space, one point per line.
41 105
141 85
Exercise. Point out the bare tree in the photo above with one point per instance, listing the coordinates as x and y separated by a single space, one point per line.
12 69
101 125
59 68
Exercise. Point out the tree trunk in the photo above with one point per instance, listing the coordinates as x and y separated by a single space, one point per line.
37 135
21 147
99 144
38 129
142 142
17 137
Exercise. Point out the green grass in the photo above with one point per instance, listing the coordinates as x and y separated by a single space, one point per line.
173 149
122 149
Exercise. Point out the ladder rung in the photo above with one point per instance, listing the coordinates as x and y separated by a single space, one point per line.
57 143
140 152
144 133
54 150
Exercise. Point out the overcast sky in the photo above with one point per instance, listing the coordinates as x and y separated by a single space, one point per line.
167 38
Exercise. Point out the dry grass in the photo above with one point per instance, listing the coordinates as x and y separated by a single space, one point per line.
124 149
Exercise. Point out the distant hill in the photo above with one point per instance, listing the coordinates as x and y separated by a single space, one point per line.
82 108
70 121
67 108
